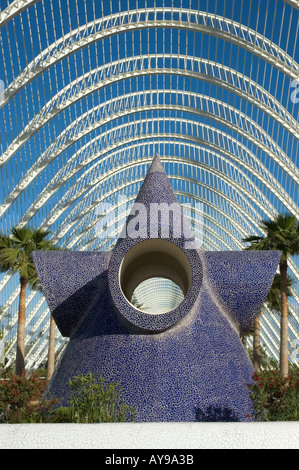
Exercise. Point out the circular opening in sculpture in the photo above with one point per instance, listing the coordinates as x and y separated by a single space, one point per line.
157 295
155 263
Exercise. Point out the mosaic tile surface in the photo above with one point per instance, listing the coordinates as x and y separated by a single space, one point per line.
185 365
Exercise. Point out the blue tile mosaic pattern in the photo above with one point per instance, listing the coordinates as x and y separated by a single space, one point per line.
186 365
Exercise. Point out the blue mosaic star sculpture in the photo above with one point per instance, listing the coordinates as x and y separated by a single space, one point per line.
187 364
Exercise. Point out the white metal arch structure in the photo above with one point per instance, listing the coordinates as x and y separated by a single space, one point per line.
91 90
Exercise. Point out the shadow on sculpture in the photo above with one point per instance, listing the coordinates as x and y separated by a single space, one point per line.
216 414
173 365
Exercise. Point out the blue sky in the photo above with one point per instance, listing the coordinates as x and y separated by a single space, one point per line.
29 34
33 36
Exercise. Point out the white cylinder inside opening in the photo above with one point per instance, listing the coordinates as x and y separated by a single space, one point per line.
156 258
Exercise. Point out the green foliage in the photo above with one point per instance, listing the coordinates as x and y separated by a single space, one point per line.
282 234
91 402
16 251
95 402
20 399
275 398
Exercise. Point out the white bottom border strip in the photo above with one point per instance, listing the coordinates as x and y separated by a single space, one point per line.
270 435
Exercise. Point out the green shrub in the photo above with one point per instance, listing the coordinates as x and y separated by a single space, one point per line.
91 402
20 399
275 398
95 402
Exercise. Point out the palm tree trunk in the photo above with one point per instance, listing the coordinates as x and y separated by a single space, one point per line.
257 344
20 357
51 350
284 333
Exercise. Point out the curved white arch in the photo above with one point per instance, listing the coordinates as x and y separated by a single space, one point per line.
224 28
85 189
78 89
71 138
269 147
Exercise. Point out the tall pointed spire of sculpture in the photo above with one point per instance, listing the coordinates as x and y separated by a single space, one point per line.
157 212
156 187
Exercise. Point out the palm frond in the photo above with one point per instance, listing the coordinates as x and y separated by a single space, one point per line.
17 248
27 270
10 258
281 233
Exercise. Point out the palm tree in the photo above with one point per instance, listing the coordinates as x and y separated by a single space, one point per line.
282 234
51 350
256 359
273 301
34 284
16 255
